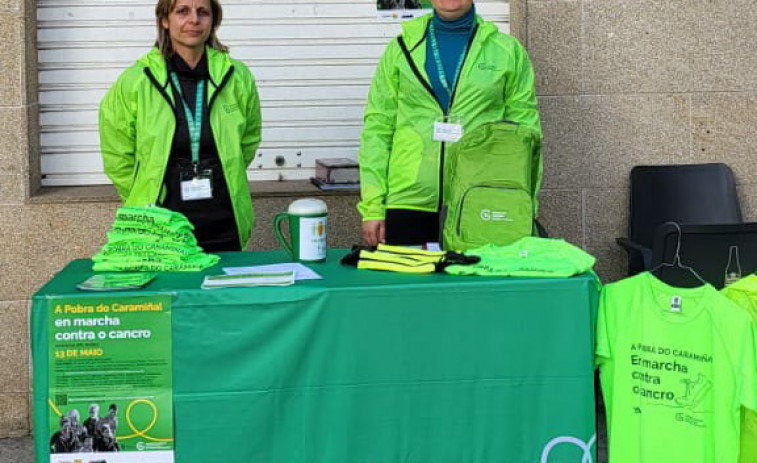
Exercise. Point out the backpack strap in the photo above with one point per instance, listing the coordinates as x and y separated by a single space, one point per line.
539 230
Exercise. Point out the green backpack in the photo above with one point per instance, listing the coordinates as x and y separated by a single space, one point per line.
492 186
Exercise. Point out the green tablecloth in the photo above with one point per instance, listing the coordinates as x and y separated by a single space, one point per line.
368 367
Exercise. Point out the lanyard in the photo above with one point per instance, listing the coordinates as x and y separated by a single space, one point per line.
440 65
193 122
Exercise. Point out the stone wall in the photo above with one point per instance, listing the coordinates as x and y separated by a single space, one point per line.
630 82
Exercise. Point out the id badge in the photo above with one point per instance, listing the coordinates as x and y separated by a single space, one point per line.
449 130
196 187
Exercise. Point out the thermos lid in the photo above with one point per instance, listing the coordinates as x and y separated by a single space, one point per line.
307 206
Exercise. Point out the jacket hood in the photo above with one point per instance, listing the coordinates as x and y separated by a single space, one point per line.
219 63
414 31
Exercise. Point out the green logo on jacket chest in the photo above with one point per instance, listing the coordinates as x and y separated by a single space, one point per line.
230 108
487 67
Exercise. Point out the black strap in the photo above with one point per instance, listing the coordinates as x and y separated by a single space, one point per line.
456 258
353 256
220 87
539 230
161 89
410 61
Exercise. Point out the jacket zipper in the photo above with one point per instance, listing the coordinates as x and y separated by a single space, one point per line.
428 88
446 115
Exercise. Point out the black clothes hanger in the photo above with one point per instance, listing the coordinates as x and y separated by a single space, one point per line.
677 258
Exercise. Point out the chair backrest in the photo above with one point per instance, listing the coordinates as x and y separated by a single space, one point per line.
705 248
685 193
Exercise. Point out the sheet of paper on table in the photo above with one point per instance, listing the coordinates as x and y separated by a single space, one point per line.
301 272
248 280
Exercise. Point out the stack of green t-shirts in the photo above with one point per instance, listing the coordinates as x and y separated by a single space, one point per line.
527 257
151 239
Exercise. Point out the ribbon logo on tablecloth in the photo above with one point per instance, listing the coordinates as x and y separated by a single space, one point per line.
588 456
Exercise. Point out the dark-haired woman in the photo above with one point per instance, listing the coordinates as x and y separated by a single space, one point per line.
180 126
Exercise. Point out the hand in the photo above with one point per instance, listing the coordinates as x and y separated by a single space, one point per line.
374 232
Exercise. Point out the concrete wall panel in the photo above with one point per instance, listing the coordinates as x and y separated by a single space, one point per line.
748 198
14 411
567 159
606 218
13 140
555 46
724 126
715 39
14 339
627 48
561 214
627 130
12 57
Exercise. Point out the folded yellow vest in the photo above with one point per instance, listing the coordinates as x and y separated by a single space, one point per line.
403 259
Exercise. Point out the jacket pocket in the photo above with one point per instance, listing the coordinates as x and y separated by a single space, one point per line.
497 214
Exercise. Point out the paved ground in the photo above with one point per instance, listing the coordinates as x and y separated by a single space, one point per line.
17 450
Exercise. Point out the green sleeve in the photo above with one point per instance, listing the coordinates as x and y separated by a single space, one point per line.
749 363
603 348
378 131
747 358
742 299
521 106
117 120
252 130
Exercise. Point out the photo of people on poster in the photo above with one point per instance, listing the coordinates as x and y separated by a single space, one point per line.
402 9
95 434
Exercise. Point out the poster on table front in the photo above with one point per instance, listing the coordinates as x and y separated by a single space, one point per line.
110 383
402 9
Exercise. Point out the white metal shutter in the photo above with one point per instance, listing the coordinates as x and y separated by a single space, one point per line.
313 61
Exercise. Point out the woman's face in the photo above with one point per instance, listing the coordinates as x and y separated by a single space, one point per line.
189 24
451 9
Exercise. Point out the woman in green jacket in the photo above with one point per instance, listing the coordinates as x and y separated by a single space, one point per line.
180 126
447 73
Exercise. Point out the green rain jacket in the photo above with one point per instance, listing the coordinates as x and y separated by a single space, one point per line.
137 124
401 166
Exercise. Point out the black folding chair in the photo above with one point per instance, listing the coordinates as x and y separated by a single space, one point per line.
685 194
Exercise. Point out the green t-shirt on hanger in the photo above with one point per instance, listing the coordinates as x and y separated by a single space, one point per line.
744 293
676 364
